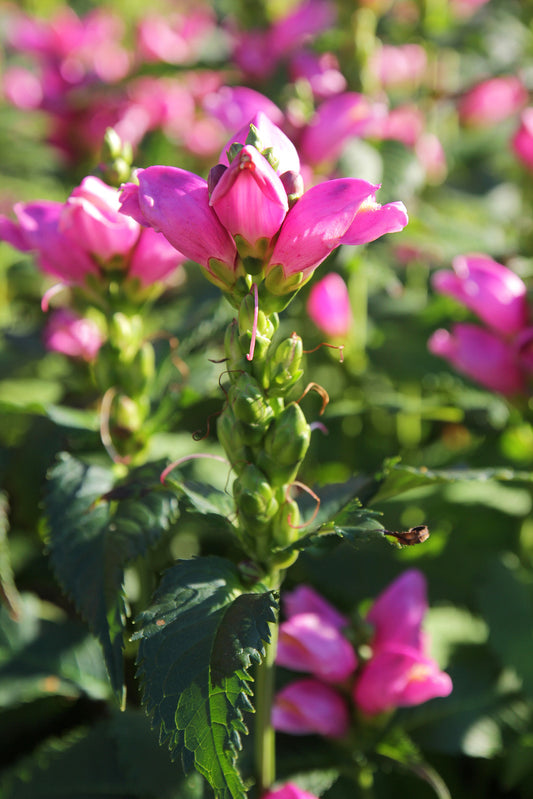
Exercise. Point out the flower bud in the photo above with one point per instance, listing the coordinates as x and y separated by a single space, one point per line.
284 365
286 443
248 402
230 438
254 497
293 183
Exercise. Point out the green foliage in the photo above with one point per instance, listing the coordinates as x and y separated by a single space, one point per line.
95 527
197 641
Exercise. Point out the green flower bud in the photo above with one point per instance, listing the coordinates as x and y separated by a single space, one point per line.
129 414
230 438
285 445
284 365
126 334
249 403
285 524
255 498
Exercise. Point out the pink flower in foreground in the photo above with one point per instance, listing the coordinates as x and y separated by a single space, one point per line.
250 210
88 236
308 643
399 672
522 141
481 355
492 291
492 101
309 706
288 791
329 306
72 335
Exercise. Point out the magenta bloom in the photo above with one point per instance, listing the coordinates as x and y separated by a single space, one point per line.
288 791
522 141
494 293
492 101
309 706
72 335
309 643
402 65
234 106
398 612
481 355
88 236
329 306
399 676
321 71
304 599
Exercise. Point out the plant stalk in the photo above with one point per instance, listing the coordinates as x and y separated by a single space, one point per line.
265 756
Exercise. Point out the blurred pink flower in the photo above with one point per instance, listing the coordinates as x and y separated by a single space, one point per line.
492 291
398 612
405 123
329 306
309 706
320 70
466 8
235 106
492 101
88 236
307 642
174 38
288 791
522 141
481 355
72 335
304 599
402 65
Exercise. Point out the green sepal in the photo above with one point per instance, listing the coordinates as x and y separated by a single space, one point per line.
249 403
283 369
255 498
286 442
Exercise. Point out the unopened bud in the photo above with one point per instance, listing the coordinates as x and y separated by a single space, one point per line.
248 402
125 334
231 440
129 414
254 497
285 445
293 183
284 365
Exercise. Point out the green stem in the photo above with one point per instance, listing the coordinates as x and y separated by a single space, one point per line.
265 755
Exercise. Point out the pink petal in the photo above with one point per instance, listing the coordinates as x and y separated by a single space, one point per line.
308 643
373 220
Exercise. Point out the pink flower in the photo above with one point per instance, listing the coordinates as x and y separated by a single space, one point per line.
494 293
235 106
492 101
288 791
398 612
399 676
304 599
481 355
270 137
329 306
405 123
88 236
321 71
399 65
309 706
308 643
72 335
174 38
522 141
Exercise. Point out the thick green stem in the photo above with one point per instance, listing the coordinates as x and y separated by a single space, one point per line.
265 756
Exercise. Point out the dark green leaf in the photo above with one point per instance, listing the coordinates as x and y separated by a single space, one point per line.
401 750
206 499
8 589
198 640
94 529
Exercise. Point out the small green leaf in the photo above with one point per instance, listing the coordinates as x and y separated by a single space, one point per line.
399 749
93 529
8 589
197 642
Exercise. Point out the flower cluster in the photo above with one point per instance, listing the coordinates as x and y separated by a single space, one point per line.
399 671
497 355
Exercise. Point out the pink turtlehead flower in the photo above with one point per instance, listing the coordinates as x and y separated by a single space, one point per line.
399 676
72 335
234 106
399 672
329 306
309 706
270 137
481 355
522 141
492 291
492 101
337 119
405 123
320 70
88 236
402 65
288 791
308 643
304 599
174 38
244 207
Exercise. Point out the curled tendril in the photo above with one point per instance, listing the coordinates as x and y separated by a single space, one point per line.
164 474
105 433
319 390
311 493
339 347
198 435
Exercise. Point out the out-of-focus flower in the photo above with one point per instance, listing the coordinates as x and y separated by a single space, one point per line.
466 8
288 791
399 672
405 123
481 355
309 706
321 71
492 291
72 335
88 236
304 599
307 642
492 101
522 141
246 209
329 306
234 106
174 38
402 65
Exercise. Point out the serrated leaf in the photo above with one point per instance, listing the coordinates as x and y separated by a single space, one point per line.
197 642
398 479
93 529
